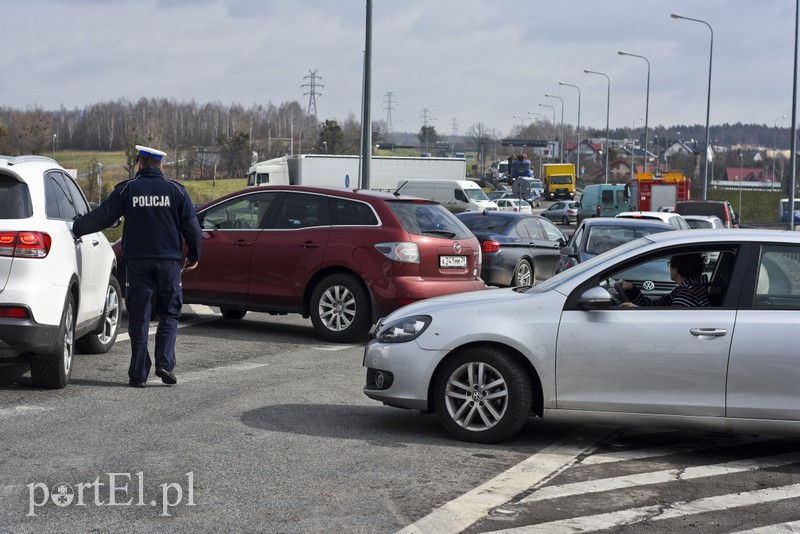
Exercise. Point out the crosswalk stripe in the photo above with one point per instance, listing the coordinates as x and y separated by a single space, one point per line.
792 526
659 512
660 477
643 454
474 505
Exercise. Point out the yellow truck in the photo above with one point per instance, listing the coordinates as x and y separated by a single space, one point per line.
558 180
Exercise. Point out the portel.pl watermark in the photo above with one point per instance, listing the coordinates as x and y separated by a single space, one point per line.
112 489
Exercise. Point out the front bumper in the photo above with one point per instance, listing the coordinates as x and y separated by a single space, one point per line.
409 370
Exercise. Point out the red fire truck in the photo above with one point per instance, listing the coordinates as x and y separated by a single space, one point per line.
653 191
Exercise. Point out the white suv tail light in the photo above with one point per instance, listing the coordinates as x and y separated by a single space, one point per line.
25 244
405 251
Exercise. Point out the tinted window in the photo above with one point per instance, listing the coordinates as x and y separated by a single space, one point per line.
78 200
15 199
346 212
487 223
302 210
428 219
529 228
59 203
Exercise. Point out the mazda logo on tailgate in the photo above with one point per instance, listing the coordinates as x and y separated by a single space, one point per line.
648 285
457 247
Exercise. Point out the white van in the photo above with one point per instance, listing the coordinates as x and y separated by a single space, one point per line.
455 195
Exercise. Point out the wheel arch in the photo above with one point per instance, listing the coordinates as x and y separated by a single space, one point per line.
324 273
537 406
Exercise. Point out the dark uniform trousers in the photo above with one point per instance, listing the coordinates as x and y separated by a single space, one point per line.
152 282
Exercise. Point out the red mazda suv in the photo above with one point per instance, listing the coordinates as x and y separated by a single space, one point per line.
343 257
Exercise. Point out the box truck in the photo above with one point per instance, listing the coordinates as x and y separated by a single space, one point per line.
559 181
342 170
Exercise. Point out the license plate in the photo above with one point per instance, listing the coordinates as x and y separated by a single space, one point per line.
452 262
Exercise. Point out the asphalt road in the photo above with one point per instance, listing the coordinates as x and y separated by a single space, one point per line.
268 431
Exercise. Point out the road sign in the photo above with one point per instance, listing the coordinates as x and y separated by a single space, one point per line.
524 142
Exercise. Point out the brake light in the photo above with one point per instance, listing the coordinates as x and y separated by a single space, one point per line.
25 244
488 247
599 210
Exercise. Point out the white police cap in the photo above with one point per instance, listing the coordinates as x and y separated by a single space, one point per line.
148 152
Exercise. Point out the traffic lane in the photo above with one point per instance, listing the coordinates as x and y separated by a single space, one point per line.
269 421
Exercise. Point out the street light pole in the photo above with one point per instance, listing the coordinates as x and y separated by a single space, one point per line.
608 111
54 145
708 100
646 105
578 144
561 140
554 124
633 149
775 149
521 122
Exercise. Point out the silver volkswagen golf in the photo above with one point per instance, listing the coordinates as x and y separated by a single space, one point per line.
567 349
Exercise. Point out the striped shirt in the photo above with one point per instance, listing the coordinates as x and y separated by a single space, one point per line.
690 294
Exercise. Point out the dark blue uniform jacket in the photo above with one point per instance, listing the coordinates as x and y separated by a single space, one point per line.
157 213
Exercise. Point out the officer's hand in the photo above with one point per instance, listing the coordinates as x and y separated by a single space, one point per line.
189 267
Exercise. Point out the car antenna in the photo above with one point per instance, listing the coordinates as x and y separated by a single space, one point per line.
399 187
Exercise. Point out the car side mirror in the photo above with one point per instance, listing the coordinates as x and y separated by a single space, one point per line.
596 298
116 223
568 251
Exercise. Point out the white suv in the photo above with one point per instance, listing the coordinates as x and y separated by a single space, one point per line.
56 293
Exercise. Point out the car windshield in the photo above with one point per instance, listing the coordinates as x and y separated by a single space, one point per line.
15 199
602 238
476 194
424 218
561 179
568 274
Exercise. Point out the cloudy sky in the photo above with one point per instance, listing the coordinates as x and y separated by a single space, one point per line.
465 61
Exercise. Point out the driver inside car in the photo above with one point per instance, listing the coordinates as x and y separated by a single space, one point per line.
686 270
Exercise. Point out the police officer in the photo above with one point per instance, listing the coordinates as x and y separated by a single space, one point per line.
157 213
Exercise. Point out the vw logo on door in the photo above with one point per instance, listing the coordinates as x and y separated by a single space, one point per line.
457 247
648 285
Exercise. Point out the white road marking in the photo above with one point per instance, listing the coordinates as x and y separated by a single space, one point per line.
674 510
214 372
792 526
21 410
205 314
465 510
642 454
661 477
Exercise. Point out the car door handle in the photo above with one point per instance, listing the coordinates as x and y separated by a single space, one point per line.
712 332
95 242
242 243
310 244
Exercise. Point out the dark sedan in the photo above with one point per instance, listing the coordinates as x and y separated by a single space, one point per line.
597 235
517 249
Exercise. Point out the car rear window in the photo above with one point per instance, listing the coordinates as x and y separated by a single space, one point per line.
423 218
487 223
15 199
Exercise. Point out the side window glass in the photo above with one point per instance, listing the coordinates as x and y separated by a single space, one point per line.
552 233
346 212
302 210
533 229
78 200
243 213
778 284
59 203
460 196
